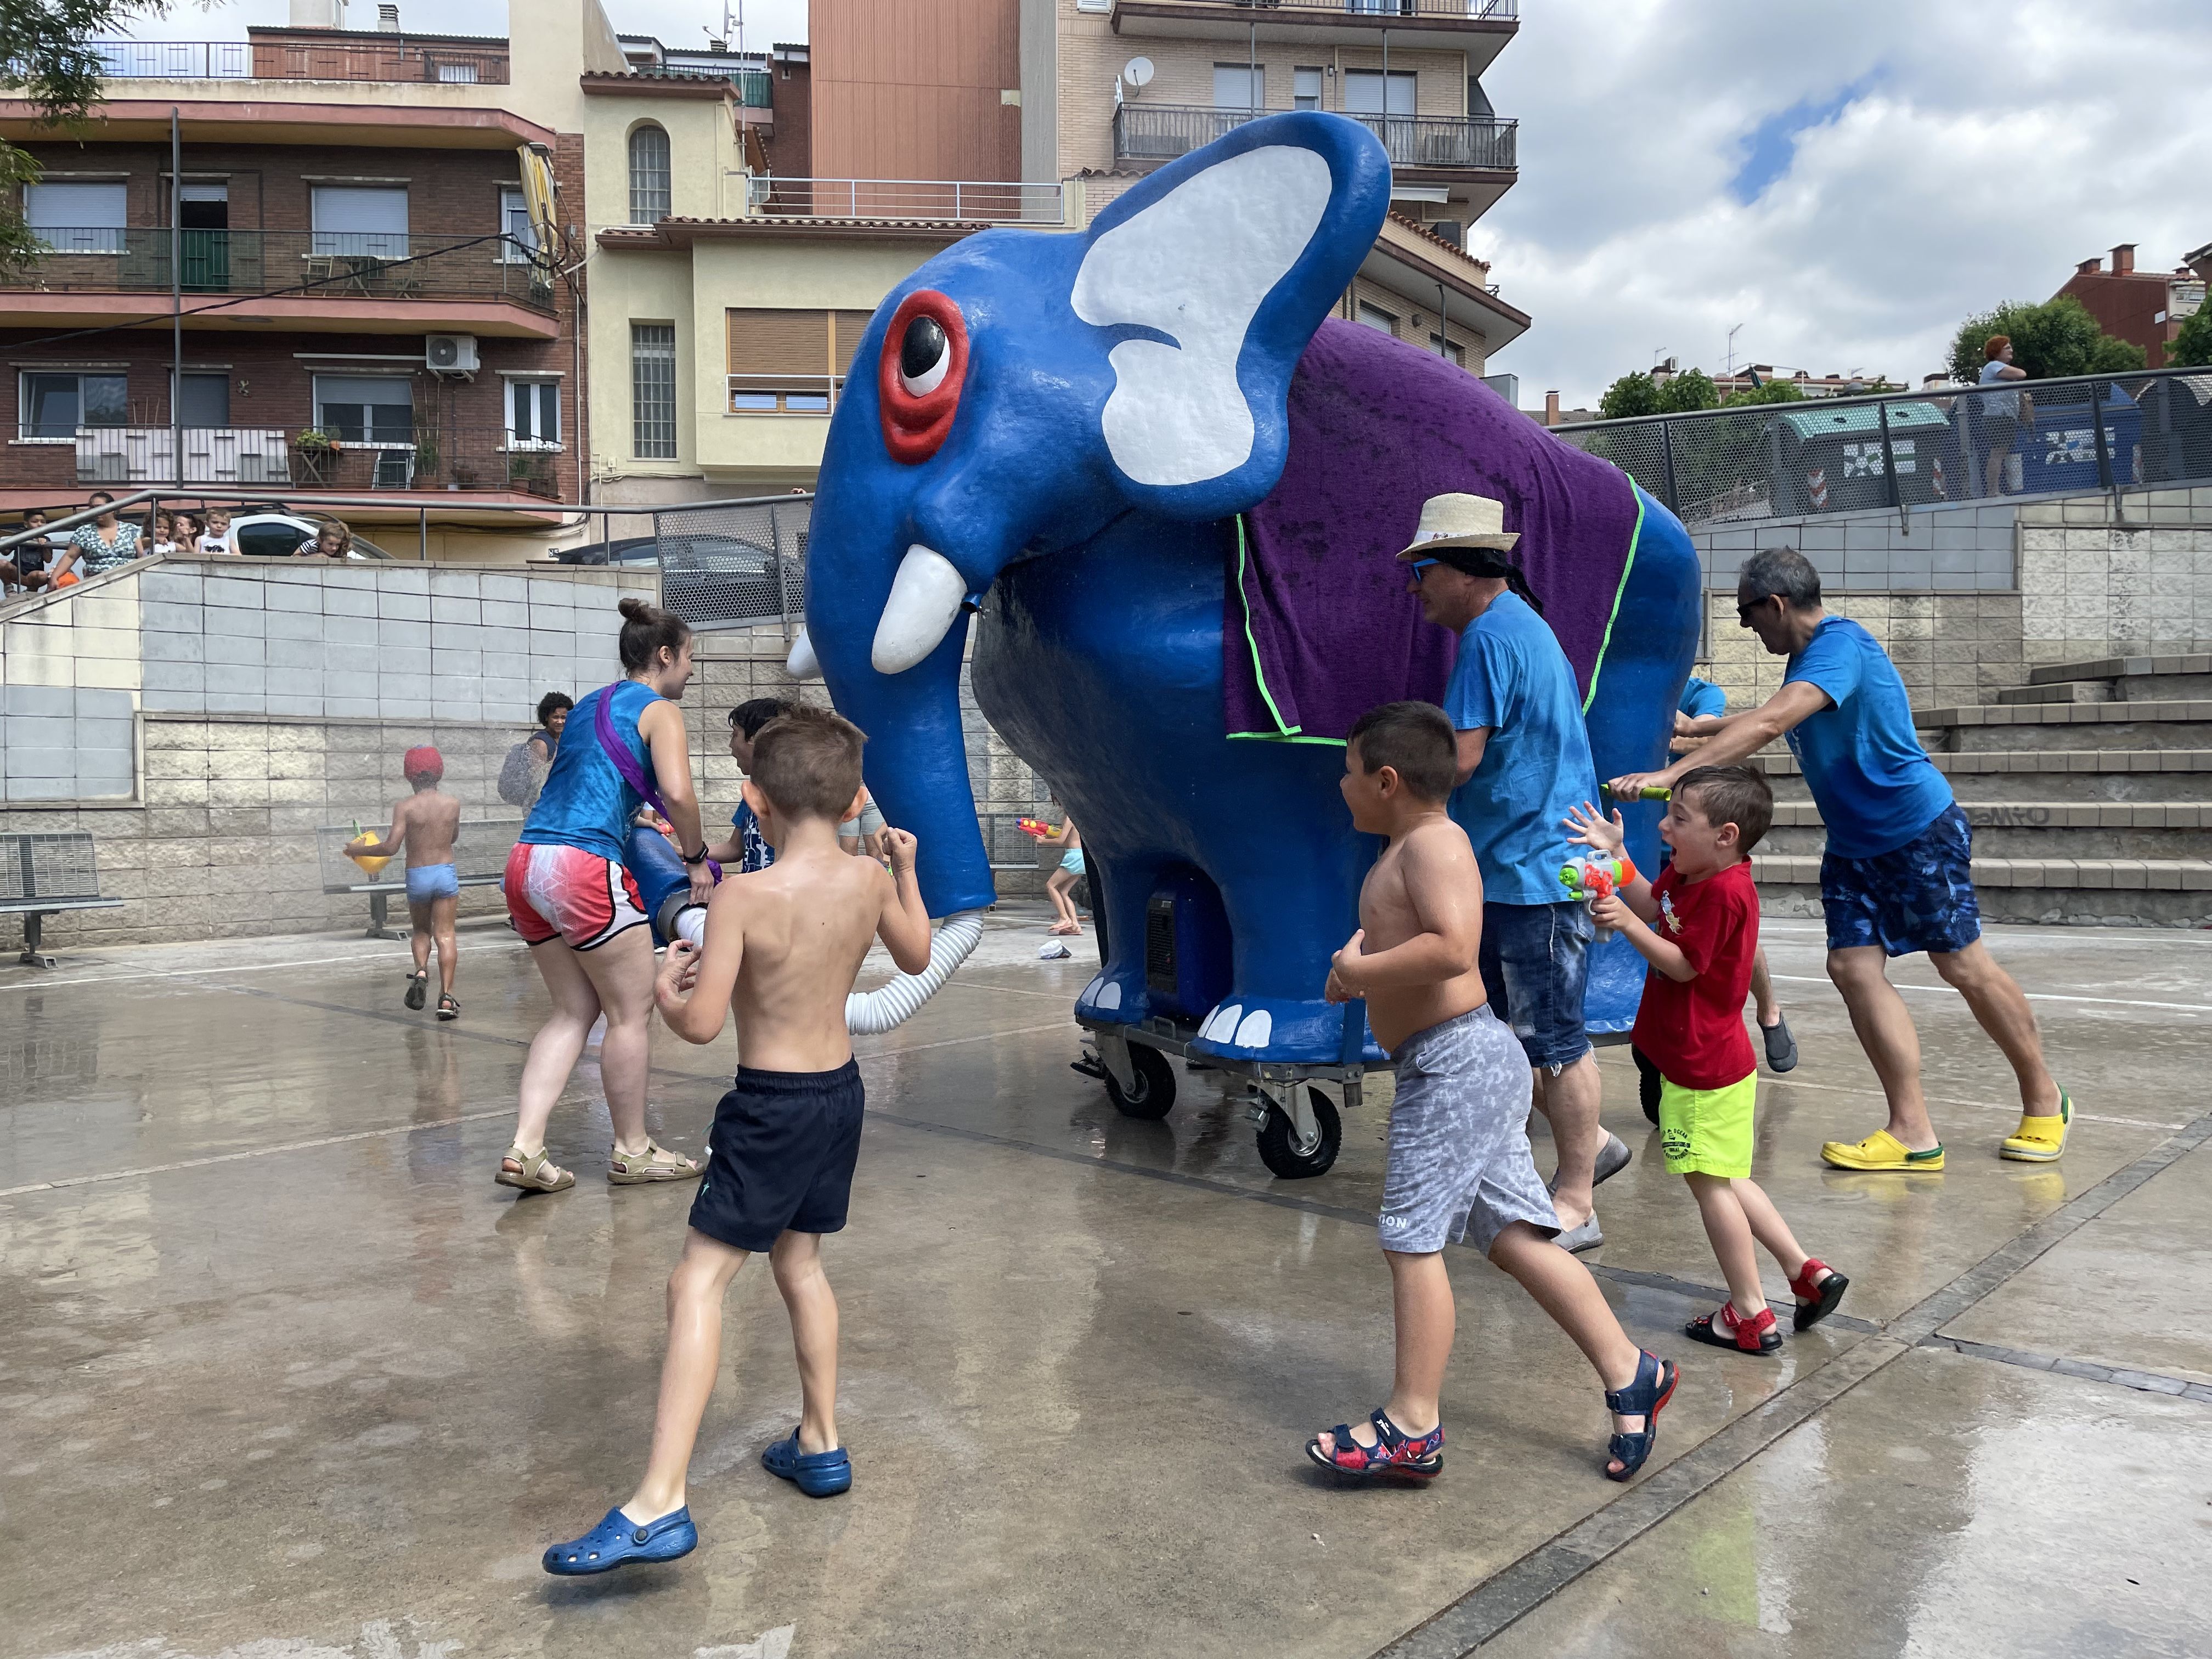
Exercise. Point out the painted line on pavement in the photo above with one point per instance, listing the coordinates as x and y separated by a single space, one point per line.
1508 1595
2033 996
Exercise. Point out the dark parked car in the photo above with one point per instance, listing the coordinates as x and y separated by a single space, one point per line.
709 581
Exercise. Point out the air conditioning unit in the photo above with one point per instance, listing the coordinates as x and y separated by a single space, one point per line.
450 354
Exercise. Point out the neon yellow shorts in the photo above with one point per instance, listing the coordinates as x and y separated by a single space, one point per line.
1707 1131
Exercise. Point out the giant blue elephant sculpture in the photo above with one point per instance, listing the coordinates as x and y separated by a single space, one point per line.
1169 492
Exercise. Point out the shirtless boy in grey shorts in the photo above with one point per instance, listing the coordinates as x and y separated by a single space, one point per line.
1459 1138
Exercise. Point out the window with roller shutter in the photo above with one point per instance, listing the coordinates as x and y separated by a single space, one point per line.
790 362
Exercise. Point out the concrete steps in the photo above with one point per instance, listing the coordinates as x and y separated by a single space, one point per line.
2089 789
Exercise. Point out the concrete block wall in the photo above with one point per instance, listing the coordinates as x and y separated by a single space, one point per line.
2095 583
1966 547
217 713
1950 648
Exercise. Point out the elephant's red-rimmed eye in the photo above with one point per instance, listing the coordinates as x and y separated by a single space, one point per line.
924 364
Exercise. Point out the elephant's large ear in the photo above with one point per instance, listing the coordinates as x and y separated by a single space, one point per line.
1215 271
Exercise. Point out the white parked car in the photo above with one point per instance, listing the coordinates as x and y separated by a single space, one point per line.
278 535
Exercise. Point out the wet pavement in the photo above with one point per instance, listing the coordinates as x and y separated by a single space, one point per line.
284 1376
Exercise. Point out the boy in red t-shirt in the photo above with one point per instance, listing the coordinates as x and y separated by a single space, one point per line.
1698 925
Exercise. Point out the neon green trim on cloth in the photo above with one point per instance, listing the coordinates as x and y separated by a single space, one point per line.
1282 733
1635 536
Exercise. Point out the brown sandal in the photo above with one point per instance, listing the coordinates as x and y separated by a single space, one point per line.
537 1175
655 1163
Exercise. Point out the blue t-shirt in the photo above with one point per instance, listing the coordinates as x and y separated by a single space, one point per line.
1513 678
754 854
1875 786
585 802
1702 698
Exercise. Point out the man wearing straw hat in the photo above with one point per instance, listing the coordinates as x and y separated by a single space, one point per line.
1524 762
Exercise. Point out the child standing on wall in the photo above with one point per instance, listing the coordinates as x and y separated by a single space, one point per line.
1459 1157
783 947
427 823
1698 927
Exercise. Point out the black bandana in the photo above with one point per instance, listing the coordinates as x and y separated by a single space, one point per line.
1490 561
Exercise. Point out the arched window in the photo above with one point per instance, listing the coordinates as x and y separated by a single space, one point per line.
648 176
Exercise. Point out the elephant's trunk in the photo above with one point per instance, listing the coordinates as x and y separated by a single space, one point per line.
916 762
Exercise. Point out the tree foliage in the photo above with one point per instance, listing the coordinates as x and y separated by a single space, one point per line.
46 57
1770 392
1691 389
2051 340
2193 344
1629 395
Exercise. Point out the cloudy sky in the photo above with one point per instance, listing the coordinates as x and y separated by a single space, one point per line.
1845 181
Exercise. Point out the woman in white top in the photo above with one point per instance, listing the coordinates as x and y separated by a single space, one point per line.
2001 411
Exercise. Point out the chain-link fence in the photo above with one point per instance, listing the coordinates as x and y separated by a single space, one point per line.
1936 447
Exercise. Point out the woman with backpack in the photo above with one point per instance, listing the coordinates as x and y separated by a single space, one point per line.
579 910
522 774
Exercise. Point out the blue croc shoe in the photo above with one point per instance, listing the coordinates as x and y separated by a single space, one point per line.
819 1474
618 1540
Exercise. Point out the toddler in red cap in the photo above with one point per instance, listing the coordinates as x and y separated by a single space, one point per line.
427 823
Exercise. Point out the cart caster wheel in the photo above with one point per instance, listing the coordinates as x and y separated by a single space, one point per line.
1156 1085
1279 1149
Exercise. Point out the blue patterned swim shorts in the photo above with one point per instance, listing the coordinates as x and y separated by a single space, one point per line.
1919 897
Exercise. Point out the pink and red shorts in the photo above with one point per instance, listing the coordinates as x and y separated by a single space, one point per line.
563 890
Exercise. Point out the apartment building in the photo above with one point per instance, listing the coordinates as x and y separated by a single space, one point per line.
2144 307
367 309
1135 83
739 250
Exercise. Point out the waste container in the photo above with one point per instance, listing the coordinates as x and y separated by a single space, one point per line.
1831 460
2062 455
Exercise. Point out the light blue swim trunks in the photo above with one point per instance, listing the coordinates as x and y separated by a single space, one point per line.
426 882
1071 862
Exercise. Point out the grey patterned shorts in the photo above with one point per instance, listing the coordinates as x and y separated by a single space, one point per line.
1460 1161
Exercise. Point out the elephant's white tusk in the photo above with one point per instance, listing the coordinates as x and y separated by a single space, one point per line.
926 596
803 664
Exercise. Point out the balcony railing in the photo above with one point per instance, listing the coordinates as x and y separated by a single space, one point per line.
467 458
397 59
1503 11
950 200
323 265
1160 132
784 394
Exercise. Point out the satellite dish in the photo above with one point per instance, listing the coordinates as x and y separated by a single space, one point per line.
1137 71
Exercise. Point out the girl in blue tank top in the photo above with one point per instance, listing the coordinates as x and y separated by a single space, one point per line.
585 802
580 911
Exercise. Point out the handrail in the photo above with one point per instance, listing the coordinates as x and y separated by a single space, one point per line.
291 498
2114 377
955 201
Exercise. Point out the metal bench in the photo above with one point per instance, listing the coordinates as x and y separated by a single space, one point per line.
41 875
480 850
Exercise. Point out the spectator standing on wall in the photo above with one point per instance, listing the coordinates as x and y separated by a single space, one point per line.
25 566
332 541
216 538
103 543
1897 876
2001 411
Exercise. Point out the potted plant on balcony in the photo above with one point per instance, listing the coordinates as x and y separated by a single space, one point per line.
426 457
316 449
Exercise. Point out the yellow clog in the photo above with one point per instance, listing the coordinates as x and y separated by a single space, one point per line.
1880 1150
2040 1139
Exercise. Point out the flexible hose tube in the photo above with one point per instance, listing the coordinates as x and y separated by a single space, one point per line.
872 1013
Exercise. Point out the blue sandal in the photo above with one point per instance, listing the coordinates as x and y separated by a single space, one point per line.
819 1474
1645 1398
618 1540
1394 1452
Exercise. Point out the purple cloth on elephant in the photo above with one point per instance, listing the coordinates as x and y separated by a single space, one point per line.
1319 628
